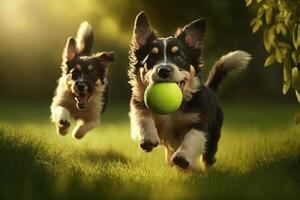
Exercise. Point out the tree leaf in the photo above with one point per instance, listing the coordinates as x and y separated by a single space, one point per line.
287 72
260 12
269 38
272 36
297 95
270 60
268 15
257 24
295 78
286 87
294 57
278 55
287 19
298 37
280 28
295 36
253 21
248 2
284 45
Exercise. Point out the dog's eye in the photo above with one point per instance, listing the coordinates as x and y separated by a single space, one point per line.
178 59
74 76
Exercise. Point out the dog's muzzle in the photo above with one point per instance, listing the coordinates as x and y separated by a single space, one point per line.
167 72
81 86
82 94
164 71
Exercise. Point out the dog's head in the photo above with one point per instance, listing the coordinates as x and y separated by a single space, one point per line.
176 58
84 74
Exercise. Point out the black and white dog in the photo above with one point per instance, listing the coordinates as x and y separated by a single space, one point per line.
82 88
194 130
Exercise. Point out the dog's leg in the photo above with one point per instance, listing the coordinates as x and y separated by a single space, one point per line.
214 134
192 146
211 146
61 117
143 128
83 127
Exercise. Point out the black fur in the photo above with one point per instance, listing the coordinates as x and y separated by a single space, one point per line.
205 102
216 75
106 96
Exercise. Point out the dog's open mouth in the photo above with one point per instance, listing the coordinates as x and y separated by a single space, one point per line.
181 85
82 100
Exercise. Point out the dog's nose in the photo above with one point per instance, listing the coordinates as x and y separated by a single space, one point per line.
164 71
81 86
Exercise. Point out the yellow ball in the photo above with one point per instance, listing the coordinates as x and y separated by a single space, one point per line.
163 97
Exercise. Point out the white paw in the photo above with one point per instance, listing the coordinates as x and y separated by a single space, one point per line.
61 116
149 141
63 126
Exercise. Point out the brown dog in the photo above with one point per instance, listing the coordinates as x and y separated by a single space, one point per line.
82 88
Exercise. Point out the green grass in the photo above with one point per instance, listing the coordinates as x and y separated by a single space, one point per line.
258 157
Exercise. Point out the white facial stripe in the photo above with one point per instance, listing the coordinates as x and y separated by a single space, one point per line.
165 51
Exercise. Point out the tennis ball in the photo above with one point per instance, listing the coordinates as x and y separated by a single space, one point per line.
163 97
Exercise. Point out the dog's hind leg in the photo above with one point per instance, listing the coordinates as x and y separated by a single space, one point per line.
211 146
192 146
212 141
83 127
61 117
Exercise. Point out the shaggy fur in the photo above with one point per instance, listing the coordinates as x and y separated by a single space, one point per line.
194 130
82 89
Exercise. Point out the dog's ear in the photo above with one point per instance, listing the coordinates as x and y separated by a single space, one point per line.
70 49
106 57
192 34
142 30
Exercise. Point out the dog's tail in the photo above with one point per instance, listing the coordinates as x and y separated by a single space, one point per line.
235 60
84 38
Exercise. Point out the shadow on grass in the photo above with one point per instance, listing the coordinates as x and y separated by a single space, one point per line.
278 179
32 169
105 157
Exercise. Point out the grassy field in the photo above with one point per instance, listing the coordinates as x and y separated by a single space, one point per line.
258 157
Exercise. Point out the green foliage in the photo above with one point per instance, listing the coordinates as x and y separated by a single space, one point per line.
280 23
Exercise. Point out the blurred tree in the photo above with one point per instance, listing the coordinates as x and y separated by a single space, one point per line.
280 21
34 33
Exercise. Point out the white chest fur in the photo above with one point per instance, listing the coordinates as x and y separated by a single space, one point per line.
172 128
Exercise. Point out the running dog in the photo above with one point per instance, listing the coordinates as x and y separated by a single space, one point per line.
82 89
194 130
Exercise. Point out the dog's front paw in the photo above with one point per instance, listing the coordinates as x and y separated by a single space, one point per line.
63 126
180 161
148 143
78 133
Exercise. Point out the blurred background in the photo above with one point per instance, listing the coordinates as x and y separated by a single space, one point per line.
33 35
